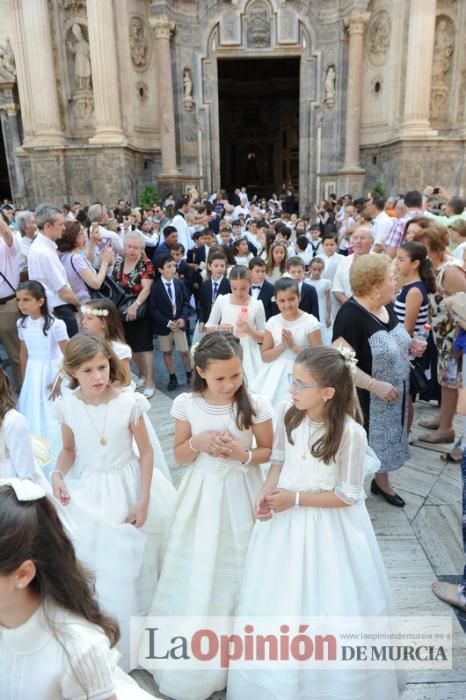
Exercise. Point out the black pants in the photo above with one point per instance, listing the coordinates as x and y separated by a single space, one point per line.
66 313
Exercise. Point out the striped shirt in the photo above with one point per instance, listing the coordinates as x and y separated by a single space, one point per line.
400 304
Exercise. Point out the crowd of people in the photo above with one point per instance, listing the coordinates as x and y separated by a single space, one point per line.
305 343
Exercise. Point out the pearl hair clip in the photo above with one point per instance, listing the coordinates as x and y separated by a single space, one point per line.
194 348
25 489
349 357
90 311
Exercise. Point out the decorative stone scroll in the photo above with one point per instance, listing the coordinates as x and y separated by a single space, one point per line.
442 59
378 37
139 46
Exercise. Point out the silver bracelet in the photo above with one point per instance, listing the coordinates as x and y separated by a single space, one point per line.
58 471
190 445
297 503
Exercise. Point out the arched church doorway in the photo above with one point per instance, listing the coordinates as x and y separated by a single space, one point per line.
259 123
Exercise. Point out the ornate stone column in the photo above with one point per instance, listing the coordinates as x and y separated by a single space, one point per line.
103 50
163 28
356 24
421 34
41 74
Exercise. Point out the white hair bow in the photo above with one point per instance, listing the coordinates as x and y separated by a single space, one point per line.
25 489
349 357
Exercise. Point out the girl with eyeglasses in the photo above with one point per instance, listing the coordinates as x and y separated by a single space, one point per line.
313 552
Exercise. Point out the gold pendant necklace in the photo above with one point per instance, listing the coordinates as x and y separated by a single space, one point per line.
103 441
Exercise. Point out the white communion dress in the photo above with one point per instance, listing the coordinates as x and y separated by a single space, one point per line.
316 562
123 352
44 357
272 380
104 488
209 536
57 655
223 311
16 451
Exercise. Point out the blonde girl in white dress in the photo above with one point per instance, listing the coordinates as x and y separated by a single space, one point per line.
119 504
216 427
101 316
286 334
42 340
244 316
323 288
313 552
55 640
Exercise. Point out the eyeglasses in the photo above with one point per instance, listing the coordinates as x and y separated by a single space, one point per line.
299 386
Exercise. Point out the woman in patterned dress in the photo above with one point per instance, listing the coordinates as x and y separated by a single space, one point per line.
368 324
135 273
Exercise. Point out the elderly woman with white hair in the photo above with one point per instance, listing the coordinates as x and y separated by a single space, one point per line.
26 225
135 273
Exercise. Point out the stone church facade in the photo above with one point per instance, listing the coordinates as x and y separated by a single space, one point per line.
100 97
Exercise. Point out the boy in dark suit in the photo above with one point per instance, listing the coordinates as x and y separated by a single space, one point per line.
170 310
216 285
261 288
308 299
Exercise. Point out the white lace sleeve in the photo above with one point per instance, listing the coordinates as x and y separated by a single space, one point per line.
179 407
350 459
90 675
279 440
140 406
215 317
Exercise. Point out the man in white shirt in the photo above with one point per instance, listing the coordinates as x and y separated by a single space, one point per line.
179 222
381 222
362 241
10 256
45 266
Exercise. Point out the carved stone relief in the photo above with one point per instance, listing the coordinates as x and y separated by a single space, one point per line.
75 7
78 47
378 37
258 21
7 61
139 45
441 67
330 90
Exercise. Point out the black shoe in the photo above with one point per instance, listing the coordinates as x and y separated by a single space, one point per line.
189 377
395 500
173 383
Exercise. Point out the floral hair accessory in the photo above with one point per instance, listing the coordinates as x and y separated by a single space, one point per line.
91 311
194 348
25 489
349 357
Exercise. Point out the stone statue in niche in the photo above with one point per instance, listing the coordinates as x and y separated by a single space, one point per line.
7 59
330 91
82 63
258 23
443 50
138 43
187 90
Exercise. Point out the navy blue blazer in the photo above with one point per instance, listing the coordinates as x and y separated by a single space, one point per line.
205 298
266 295
161 309
309 301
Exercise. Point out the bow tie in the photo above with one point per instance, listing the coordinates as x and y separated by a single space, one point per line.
256 286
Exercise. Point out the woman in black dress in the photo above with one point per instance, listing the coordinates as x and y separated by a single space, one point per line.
368 324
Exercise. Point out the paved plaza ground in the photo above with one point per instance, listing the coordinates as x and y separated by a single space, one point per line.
419 543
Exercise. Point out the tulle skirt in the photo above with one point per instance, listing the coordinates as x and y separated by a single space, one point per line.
315 562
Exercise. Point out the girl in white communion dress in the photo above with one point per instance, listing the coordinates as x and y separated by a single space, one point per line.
55 641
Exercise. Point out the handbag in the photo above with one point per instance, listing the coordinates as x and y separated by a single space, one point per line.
109 289
419 382
126 303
